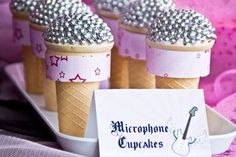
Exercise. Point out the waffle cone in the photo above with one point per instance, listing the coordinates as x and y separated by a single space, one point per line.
138 76
119 70
33 71
74 98
73 106
50 95
49 87
177 83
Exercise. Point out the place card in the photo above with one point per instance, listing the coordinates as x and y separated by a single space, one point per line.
153 122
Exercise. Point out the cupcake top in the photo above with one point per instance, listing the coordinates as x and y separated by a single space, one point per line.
46 10
142 12
80 29
114 6
23 5
181 27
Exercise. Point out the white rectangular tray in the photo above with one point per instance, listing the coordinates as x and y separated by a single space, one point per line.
222 131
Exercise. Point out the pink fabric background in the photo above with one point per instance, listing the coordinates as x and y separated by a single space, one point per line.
9 52
16 147
87 1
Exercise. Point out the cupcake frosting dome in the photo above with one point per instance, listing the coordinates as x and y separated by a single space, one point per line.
23 5
82 29
142 12
181 27
115 6
47 10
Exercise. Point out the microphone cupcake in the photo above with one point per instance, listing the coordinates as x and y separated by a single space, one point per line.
179 48
44 13
134 23
33 78
110 12
78 58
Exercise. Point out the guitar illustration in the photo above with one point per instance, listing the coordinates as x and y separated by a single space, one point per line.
181 146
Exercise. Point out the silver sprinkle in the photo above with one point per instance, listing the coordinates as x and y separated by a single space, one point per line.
181 25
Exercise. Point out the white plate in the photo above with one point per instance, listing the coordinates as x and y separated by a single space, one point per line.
222 131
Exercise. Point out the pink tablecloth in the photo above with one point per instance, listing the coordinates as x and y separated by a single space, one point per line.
16 147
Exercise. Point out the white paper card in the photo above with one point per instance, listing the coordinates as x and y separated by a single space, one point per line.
148 123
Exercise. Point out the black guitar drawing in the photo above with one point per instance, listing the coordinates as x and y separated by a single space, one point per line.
181 146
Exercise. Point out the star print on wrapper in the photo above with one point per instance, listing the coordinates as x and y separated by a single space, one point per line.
54 60
39 48
77 79
18 33
166 75
97 71
62 74
198 55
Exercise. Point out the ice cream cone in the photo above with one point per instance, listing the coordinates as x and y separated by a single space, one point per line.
50 96
119 64
44 12
119 70
32 71
32 65
73 106
180 62
49 86
78 60
74 98
139 77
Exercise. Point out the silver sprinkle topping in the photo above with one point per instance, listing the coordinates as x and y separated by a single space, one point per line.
79 29
23 5
141 13
115 6
47 10
186 26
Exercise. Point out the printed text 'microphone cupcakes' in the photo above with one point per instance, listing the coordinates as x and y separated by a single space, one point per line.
134 23
179 44
21 35
78 59
44 13
110 12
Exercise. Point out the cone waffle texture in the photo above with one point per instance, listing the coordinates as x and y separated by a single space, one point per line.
119 70
177 83
33 71
50 95
73 106
138 76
